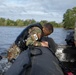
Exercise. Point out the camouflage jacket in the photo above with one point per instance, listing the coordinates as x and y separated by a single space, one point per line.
33 37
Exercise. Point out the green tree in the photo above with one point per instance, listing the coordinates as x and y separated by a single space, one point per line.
19 22
56 24
69 18
9 22
29 21
2 22
42 22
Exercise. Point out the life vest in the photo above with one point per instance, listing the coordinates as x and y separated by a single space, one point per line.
24 34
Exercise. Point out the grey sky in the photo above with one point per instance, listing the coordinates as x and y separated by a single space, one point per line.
51 10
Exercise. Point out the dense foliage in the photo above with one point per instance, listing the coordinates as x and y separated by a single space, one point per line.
19 22
69 18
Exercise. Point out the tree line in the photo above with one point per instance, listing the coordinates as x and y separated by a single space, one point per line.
19 22
69 18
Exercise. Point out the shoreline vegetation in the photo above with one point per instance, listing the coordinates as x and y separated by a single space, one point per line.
23 23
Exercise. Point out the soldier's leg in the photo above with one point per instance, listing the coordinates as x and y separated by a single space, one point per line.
13 52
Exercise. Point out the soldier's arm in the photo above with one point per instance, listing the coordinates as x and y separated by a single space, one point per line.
36 43
35 35
43 43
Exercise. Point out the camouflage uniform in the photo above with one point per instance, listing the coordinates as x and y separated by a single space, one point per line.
32 39
13 52
33 36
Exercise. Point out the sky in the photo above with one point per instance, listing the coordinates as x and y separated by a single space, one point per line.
50 10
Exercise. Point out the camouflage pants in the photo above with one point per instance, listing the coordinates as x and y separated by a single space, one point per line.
13 52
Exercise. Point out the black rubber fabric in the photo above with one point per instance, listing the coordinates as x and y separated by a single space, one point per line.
23 61
45 64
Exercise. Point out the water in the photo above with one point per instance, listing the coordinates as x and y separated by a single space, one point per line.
59 36
9 34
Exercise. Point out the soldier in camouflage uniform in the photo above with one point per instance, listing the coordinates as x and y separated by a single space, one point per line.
35 34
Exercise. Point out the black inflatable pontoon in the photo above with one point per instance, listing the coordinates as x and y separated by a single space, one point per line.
43 62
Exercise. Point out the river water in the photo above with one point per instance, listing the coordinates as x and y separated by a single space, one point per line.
9 34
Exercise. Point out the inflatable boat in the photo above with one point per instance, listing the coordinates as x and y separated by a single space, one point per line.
42 61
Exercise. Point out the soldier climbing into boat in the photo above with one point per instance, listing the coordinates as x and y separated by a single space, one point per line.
31 35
